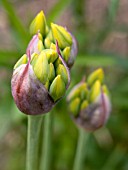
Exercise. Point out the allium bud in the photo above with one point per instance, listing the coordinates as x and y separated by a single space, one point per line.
61 70
38 24
47 37
66 42
61 35
22 60
41 68
89 103
52 73
47 42
36 84
96 75
66 53
95 91
41 77
57 88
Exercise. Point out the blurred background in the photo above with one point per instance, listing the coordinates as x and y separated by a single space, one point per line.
101 28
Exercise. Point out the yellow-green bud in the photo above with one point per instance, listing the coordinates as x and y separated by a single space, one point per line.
47 43
50 36
47 84
61 35
40 36
57 88
53 46
73 94
57 62
66 53
22 60
51 75
41 68
38 24
34 57
95 91
42 76
74 106
51 55
96 75
105 90
84 105
40 46
83 91
80 91
90 104
47 29
61 70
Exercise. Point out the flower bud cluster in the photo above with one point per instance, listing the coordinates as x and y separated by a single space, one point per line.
89 102
41 76
66 41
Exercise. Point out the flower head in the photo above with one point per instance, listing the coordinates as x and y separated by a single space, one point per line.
41 76
49 35
37 84
89 102
38 24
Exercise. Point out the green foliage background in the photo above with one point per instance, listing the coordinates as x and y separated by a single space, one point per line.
107 148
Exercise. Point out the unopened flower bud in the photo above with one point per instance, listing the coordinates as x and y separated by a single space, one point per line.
36 86
40 36
51 75
74 106
53 46
50 36
22 60
41 68
38 24
96 114
94 105
47 84
30 96
47 29
66 53
95 91
51 55
40 46
41 77
57 88
83 91
61 35
105 90
57 62
96 75
47 43
80 90
84 105
61 70
45 38
34 57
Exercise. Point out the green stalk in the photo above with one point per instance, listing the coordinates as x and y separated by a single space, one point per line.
46 149
34 127
80 151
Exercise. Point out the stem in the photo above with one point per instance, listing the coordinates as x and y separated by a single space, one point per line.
80 151
34 127
46 149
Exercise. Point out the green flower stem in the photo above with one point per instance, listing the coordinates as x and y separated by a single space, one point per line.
34 127
81 149
46 149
